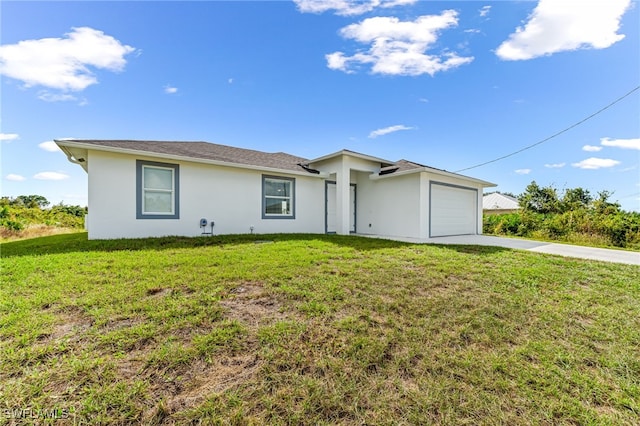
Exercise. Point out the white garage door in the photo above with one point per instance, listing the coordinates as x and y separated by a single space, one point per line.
453 210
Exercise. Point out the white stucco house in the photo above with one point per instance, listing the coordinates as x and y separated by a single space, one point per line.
157 188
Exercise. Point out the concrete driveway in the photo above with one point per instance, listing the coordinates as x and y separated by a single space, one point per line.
592 253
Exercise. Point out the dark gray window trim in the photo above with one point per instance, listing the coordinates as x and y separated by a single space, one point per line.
293 198
176 193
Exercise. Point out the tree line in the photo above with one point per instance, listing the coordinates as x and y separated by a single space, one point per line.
573 215
24 211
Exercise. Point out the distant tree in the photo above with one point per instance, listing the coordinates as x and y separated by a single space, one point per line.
70 210
602 204
31 201
539 199
576 198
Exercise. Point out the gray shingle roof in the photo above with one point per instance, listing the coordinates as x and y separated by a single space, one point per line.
226 154
206 150
410 165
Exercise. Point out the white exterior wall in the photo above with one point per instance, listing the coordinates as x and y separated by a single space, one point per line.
231 197
344 169
400 205
390 206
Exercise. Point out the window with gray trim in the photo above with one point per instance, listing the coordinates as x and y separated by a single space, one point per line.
278 197
157 190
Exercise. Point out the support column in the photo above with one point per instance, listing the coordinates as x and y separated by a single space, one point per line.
343 192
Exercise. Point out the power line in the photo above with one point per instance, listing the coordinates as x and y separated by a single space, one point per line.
552 136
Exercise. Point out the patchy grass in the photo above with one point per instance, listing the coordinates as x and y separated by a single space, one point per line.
312 329
34 231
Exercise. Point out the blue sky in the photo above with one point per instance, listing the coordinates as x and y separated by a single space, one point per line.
446 84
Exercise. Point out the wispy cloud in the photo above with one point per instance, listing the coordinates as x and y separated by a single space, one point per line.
230 81
555 165
484 11
595 163
15 178
386 130
347 7
45 95
561 25
399 47
50 176
8 137
522 171
63 63
592 148
170 90
621 143
50 146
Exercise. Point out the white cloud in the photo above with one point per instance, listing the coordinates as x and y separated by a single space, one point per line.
50 176
230 81
170 90
592 148
399 47
63 63
562 25
595 163
9 137
523 171
15 178
484 10
423 100
47 96
49 146
555 165
472 31
386 130
621 143
347 7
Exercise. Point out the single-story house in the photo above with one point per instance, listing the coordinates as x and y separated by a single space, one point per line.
156 188
496 203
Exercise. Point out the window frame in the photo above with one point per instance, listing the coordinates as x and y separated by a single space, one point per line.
291 197
140 190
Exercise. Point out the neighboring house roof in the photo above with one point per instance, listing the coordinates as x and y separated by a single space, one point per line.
497 201
76 151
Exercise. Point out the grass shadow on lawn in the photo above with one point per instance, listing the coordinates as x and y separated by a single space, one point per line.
78 242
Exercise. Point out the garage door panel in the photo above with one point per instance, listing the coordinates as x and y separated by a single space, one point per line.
453 210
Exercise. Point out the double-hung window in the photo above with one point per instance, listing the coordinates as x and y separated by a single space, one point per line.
157 193
278 197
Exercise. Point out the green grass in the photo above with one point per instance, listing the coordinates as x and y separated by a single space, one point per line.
314 329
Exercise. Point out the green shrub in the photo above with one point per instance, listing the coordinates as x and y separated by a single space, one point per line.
16 214
606 227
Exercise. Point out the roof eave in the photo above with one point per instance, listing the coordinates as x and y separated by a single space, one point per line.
71 144
352 154
484 183
82 162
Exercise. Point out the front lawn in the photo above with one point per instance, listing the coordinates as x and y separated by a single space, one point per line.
313 329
